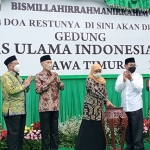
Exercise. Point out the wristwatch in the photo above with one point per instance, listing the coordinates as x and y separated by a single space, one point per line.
131 79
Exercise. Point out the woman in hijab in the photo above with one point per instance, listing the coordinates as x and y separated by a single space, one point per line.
91 134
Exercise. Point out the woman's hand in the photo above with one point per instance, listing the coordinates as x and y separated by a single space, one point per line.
109 104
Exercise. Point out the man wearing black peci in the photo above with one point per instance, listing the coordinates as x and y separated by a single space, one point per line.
130 84
14 103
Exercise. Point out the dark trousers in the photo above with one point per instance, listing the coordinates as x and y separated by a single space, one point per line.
15 128
134 133
49 127
91 136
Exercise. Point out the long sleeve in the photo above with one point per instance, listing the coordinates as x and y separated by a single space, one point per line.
91 86
120 85
10 85
95 88
137 84
27 89
106 93
42 84
60 84
131 92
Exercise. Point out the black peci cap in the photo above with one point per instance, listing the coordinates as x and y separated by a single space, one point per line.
10 59
46 57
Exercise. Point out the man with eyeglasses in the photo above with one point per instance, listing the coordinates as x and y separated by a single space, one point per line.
130 84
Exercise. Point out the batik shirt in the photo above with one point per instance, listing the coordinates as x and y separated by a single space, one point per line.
48 89
13 94
95 99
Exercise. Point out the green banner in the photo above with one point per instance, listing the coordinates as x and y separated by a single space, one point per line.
72 98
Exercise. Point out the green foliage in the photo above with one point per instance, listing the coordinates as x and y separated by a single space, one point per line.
68 132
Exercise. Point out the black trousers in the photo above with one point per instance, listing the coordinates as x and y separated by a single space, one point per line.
15 127
134 133
49 127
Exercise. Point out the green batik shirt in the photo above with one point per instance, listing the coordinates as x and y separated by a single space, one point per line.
14 94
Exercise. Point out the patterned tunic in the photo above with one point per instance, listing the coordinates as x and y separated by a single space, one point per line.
48 88
13 93
94 100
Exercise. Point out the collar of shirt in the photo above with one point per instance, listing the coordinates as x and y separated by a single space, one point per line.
133 73
14 73
47 73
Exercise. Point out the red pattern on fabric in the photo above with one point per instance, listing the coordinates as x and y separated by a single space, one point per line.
47 87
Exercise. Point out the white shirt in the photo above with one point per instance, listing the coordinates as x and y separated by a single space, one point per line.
131 92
